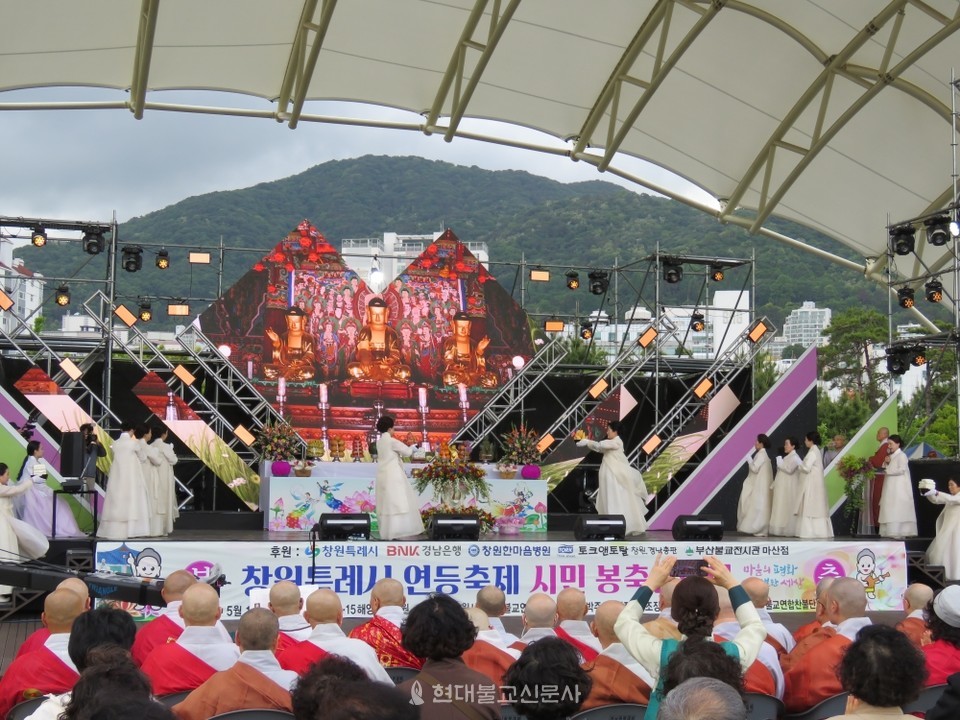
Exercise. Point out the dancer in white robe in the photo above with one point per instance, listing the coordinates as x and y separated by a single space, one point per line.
150 462
398 512
165 504
898 514
786 491
36 507
18 540
756 496
813 511
126 508
622 490
945 548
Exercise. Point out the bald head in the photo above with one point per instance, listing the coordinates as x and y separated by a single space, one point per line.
323 606
571 604
258 630
492 601
845 599
79 587
387 593
883 433
666 593
176 584
479 618
604 619
285 599
60 609
201 605
757 590
917 596
540 612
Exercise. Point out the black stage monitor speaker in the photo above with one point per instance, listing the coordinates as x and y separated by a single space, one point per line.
698 527
344 526
450 526
600 527
71 454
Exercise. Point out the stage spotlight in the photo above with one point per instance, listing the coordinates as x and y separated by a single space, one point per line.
897 362
39 238
938 230
131 257
716 273
902 240
62 296
586 330
573 280
539 275
145 313
163 259
759 329
918 357
93 241
933 291
672 271
552 325
905 297
697 323
178 308
518 361
599 281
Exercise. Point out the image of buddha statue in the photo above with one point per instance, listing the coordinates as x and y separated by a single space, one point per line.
293 355
377 357
463 361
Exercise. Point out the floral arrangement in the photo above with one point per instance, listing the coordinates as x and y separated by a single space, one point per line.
278 441
487 522
452 480
520 446
856 471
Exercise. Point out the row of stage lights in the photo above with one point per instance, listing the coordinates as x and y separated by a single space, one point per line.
175 308
555 325
899 360
932 291
599 280
940 230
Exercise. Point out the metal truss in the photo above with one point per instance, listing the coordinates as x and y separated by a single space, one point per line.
512 393
304 52
721 372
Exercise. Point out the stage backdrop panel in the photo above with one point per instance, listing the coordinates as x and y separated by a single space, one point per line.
605 571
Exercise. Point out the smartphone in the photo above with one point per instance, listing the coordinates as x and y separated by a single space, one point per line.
688 568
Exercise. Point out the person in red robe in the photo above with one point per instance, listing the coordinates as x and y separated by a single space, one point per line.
49 668
778 636
572 625
198 653
38 637
764 674
286 602
942 652
915 600
617 677
813 676
256 681
879 462
382 632
168 625
820 617
539 620
488 654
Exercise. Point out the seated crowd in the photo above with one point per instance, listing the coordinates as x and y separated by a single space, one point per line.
712 642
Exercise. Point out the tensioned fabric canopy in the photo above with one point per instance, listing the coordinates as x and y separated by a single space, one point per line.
833 113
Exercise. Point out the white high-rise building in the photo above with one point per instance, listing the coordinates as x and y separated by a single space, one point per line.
805 325
21 285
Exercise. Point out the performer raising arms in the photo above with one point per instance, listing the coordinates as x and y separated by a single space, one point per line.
397 511
621 486
944 548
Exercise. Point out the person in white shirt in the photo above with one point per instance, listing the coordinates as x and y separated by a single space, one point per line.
286 602
786 492
898 514
539 620
493 601
759 593
571 613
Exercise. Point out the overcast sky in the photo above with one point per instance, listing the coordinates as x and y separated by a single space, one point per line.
86 165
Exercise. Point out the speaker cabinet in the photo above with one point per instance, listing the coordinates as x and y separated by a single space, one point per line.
344 526
451 526
600 527
71 454
698 527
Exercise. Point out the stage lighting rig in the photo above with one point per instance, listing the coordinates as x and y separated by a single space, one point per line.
697 322
672 272
538 274
905 297
39 236
586 330
131 257
716 273
599 281
573 280
933 291
163 259
62 296
145 312
902 240
938 230
93 243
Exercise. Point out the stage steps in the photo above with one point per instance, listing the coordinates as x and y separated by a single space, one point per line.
919 571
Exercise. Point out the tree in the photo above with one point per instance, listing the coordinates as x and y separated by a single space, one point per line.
793 351
850 360
38 322
765 374
580 353
843 416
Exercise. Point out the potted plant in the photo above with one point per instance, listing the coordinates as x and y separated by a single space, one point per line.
452 481
278 442
856 472
520 448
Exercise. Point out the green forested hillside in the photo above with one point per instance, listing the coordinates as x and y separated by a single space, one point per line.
580 226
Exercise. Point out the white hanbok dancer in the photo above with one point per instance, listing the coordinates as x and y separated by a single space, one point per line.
945 548
622 491
813 511
898 514
165 501
18 540
786 492
398 512
126 509
150 462
756 496
36 506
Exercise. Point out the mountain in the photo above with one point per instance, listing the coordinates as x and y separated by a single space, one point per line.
579 226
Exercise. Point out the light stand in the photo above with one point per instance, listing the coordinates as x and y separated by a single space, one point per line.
281 393
324 406
424 410
464 400
314 536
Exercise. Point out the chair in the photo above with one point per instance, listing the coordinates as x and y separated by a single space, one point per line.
617 711
836 705
254 714
928 698
763 707
401 674
173 698
25 709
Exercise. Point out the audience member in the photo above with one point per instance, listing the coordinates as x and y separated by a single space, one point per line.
571 623
539 620
38 637
439 630
286 603
198 653
764 675
111 677
812 677
948 706
665 626
315 691
488 655
915 601
699 658
382 632
325 615
703 699
48 669
943 650
777 635
326 692
616 676
547 681
881 671
820 620
493 601
109 708
256 680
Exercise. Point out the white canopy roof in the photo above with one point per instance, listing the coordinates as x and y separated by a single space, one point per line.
832 113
